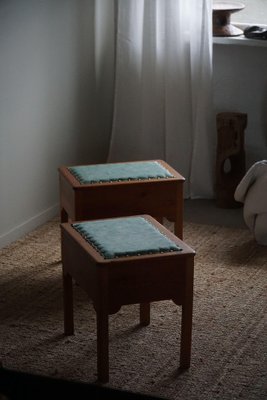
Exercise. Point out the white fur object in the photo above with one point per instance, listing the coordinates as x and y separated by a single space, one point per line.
252 191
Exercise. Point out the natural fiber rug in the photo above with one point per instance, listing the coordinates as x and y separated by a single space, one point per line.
229 330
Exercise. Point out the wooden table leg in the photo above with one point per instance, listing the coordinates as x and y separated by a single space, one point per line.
68 304
145 314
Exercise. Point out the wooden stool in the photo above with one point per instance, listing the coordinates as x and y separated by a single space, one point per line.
230 149
121 189
128 260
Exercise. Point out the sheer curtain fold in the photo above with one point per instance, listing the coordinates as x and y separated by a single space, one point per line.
162 88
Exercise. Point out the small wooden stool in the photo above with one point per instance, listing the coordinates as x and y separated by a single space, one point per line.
127 260
121 189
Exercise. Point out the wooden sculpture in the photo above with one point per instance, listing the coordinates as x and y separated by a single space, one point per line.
230 161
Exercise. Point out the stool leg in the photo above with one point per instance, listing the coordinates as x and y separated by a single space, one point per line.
102 346
178 228
178 222
145 314
63 215
68 304
187 310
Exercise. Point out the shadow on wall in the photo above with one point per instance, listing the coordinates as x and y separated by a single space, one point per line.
95 75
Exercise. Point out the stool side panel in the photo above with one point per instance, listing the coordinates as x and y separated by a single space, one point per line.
67 196
78 263
158 199
148 280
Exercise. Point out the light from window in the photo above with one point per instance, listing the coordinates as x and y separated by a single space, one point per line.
255 12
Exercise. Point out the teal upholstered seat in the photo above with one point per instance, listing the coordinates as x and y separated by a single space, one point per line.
87 174
128 236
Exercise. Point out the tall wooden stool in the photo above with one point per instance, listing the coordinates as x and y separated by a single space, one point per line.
231 149
122 189
126 260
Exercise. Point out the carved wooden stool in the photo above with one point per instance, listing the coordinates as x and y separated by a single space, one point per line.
120 189
127 260
230 161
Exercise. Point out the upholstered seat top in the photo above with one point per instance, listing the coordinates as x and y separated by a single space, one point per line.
126 236
87 174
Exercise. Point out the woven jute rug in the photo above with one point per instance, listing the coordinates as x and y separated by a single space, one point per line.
229 324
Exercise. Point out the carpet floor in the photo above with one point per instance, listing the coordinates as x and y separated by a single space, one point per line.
229 323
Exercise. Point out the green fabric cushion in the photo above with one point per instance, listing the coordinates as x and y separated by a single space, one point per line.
99 173
127 236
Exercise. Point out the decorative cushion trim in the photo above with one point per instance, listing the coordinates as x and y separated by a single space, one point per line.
99 173
125 237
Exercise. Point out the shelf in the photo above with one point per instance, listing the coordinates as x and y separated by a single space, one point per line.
240 41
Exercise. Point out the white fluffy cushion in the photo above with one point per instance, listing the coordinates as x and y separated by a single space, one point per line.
252 191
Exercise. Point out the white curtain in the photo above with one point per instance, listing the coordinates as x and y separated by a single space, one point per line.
162 90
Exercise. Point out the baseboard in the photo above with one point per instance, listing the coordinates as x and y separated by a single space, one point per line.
27 226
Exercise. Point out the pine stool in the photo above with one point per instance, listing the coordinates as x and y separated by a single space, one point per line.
122 189
126 260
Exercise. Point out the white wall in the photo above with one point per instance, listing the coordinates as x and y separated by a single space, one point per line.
240 85
48 103
254 13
